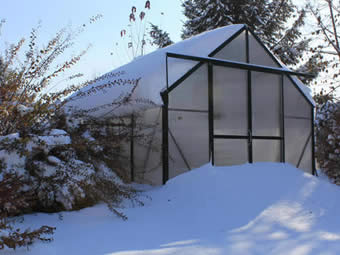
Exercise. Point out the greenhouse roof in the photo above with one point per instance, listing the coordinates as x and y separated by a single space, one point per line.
144 78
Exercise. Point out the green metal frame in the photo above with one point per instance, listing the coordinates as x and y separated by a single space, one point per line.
211 61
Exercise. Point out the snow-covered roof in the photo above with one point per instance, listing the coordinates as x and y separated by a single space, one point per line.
149 72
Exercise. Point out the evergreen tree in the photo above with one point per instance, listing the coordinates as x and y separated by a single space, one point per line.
267 18
159 37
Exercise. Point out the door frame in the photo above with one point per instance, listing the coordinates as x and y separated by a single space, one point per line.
232 64
250 137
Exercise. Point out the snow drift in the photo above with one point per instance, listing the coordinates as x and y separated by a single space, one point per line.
263 208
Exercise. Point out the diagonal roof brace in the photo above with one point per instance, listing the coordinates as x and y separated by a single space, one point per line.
240 65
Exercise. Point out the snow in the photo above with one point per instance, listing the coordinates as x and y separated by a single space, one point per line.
13 136
57 132
53 160
262 208
24 109
56 137
148 75
149 72
88 136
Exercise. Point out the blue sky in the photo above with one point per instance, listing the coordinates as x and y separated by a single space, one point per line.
21 16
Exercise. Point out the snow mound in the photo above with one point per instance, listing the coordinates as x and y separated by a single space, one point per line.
262 208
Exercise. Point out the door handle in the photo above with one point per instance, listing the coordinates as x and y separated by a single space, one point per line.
250 137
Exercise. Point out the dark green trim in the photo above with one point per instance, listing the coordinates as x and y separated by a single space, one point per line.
239 65
188 110
211 113
165 138
297 117
250 104
167 71
257 137
230 136
283 143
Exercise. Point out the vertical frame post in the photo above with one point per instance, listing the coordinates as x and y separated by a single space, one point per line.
211 113
283 141
167 71
165 125
250 110
132 163
313 144
165 137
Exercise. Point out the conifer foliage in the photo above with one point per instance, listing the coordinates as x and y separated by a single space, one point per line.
159 37
268 19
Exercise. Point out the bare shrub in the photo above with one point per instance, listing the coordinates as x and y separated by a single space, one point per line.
48 164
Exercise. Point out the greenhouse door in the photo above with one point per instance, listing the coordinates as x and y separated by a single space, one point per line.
246 122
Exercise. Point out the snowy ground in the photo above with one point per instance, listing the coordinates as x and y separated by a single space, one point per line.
250 209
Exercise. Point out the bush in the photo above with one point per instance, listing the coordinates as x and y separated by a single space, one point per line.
53 161
328 137
13 198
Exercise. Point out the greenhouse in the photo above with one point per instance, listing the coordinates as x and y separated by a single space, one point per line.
219 97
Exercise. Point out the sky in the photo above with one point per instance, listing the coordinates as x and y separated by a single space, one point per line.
108 50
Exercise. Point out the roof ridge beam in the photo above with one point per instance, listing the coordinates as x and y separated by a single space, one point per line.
240 65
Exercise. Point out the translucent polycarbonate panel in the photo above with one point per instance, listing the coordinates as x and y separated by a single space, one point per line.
296 105
228 152
235 50
230 101
189 133
258 55
148 149
306 163
297 132
147 134
153 167
124 155
266 150
266 104
192 93
121 128
177 164
177 68
140 150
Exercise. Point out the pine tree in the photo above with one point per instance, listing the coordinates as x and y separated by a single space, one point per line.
267 18
159 37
